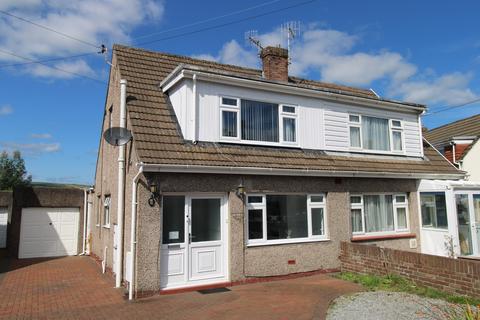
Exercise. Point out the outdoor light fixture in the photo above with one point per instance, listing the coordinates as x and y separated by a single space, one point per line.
240 192
154 194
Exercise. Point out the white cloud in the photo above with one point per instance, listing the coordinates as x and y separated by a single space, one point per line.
31 149
331 54
72 68
6 110
448 89
41 136
90 20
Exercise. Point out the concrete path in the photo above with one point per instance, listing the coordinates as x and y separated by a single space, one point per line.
74 288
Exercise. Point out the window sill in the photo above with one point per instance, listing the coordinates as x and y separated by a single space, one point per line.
97 225
107 226
435 229
286 241
383 237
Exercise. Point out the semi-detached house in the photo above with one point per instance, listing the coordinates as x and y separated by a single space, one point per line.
234 174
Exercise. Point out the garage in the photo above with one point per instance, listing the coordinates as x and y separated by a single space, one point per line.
48 232
3 227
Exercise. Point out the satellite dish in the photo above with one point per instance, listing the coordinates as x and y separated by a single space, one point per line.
117 136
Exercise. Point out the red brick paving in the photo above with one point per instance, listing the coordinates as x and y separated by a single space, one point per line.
74 288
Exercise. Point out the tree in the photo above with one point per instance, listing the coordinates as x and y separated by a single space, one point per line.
12 171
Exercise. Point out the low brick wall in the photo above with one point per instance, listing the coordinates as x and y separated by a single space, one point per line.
459 276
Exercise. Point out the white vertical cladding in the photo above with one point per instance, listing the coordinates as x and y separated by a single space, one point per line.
178 98
208 112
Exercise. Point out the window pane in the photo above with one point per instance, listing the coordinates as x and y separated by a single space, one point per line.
288 109
255 224
355 137
317 222
355 199
287 217
206 220
357 220
316 199
378 213
229 101
289 129
396 123
400 199
464 227
401 218
173 219
353 118
255 199
259 121
229 124
375 133
397 141
434 210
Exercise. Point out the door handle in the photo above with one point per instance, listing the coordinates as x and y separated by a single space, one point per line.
50 223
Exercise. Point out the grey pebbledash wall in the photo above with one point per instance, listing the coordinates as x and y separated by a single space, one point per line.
269 260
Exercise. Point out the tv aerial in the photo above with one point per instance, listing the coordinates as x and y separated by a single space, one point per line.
117 136
251 38
290 30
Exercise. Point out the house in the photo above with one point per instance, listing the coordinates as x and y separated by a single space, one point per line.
459 143
236 174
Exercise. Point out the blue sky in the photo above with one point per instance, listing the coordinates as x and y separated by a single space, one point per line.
419 51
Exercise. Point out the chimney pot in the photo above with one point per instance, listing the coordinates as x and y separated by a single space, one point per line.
275 63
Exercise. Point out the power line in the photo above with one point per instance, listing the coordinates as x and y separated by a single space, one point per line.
49 29
47 60
52 67
206 20
228 23
443 109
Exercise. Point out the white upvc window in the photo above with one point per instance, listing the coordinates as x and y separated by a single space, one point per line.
288 124
374 134
285 218
378 214
258 122
106 211
229 118
99 210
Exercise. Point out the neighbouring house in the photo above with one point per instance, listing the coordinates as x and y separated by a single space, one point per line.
459 142
5 209
235 174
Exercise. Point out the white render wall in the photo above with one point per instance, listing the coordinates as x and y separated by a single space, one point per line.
321 124
471 162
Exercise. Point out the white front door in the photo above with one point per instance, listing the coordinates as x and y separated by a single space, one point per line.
468 217
3 227
194 240
476 219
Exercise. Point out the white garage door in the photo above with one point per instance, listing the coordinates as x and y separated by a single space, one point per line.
48 232
3 227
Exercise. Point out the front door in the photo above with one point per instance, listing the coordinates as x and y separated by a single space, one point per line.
468 215
476 210
194 250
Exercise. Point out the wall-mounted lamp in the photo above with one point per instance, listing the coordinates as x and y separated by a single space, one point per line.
240 192
154 194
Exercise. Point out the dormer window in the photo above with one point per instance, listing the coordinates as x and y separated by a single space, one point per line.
376 134
257 121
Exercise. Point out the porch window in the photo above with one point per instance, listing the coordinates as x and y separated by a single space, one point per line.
434 210
106 211
378 213
285 218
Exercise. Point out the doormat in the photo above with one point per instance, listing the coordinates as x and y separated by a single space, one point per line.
214 290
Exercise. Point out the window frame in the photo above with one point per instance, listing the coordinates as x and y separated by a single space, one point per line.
263 206
395 206
107 204
391 129
443 229
99 211
281 115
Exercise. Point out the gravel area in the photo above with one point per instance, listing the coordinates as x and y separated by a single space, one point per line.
383 305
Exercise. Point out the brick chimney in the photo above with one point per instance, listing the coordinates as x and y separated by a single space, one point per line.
275 63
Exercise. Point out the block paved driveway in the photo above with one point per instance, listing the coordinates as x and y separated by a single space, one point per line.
74 288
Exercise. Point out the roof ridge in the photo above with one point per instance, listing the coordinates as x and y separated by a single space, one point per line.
454 122
121 46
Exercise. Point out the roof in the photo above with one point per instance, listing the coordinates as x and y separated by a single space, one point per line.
158 139
465 127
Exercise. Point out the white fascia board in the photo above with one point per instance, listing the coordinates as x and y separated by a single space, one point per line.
180 73
293 172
